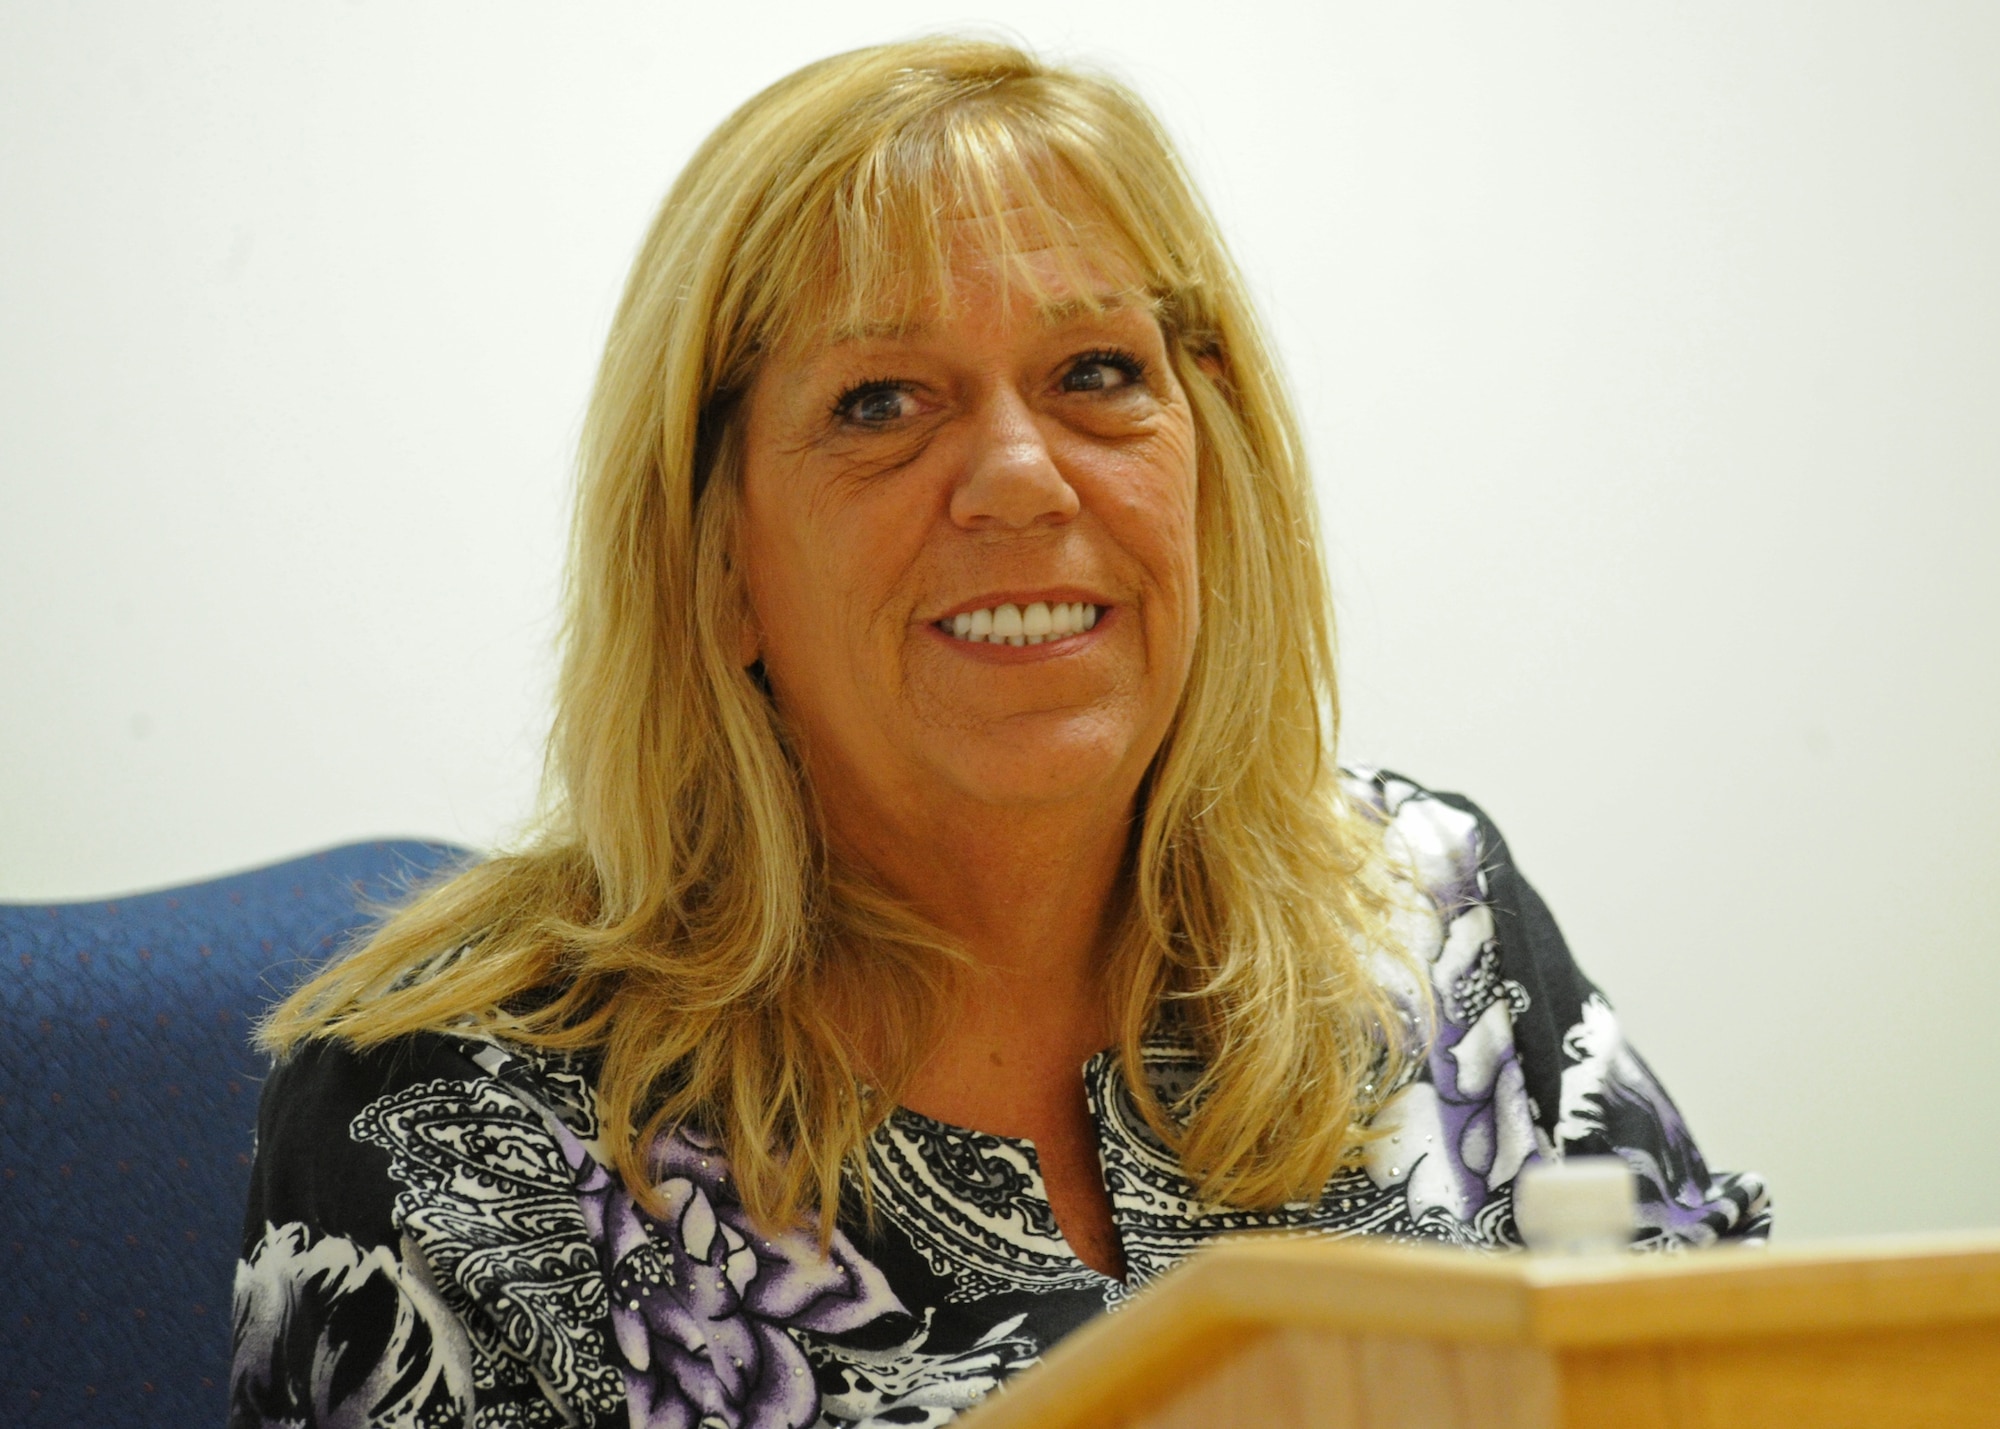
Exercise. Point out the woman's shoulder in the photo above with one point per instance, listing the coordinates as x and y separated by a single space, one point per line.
1441 838
345 1121
1478 916
1527 1056
309 1165
437 1172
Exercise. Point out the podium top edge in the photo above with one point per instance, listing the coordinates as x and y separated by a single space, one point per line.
1557 1270
1238 1290
1560 1301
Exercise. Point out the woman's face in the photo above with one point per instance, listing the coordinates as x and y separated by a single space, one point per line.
970 550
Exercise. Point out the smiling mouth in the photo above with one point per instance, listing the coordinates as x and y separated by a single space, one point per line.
1012 625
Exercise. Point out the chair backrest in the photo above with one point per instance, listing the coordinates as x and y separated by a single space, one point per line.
128 1100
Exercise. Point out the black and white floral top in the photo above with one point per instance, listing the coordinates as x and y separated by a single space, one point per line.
434 1239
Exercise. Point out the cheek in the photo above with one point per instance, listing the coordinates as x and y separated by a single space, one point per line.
820 574
1150 509
1178 566
771 568
785 578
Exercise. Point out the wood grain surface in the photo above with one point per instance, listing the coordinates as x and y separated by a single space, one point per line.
1284 1332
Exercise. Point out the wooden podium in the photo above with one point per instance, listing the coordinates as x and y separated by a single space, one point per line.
1259 1334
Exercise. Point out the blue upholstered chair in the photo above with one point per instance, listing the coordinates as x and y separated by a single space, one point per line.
128 1097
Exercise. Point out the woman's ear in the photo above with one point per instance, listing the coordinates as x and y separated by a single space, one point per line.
740 618
749 639
749 635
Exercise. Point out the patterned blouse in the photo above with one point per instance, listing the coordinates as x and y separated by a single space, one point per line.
434 1237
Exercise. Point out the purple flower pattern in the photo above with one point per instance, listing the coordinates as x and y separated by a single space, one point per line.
703 1307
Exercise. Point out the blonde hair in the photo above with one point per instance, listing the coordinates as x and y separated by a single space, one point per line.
678 918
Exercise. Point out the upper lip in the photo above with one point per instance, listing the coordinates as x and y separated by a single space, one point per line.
1045 595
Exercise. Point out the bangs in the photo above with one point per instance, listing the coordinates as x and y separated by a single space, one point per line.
869 238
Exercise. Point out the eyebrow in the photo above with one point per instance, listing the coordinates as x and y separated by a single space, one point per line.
1053 312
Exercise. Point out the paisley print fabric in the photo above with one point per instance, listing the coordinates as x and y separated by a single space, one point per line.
435 1236
972 1206
496 1220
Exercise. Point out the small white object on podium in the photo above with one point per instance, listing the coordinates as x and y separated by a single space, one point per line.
1584 1205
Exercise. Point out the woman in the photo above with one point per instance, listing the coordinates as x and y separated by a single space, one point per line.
952 914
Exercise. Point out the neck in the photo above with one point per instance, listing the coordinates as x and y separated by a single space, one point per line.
1030 899
1029 892
1026 892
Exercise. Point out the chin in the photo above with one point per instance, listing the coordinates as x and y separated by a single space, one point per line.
1042 765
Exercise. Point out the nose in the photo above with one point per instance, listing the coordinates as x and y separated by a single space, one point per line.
1011 479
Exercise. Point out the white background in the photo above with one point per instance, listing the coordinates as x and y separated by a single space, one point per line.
1650 357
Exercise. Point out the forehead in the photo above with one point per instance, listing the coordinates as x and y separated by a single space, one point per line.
1048 310
1049 280
906 240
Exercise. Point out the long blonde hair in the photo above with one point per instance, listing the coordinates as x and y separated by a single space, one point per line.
677 917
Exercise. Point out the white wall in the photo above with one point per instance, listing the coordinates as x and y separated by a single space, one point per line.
1650 355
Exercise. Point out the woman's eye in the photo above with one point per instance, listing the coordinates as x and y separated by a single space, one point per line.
1101 372
876 405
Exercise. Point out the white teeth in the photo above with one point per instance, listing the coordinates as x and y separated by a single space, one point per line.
1011 625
